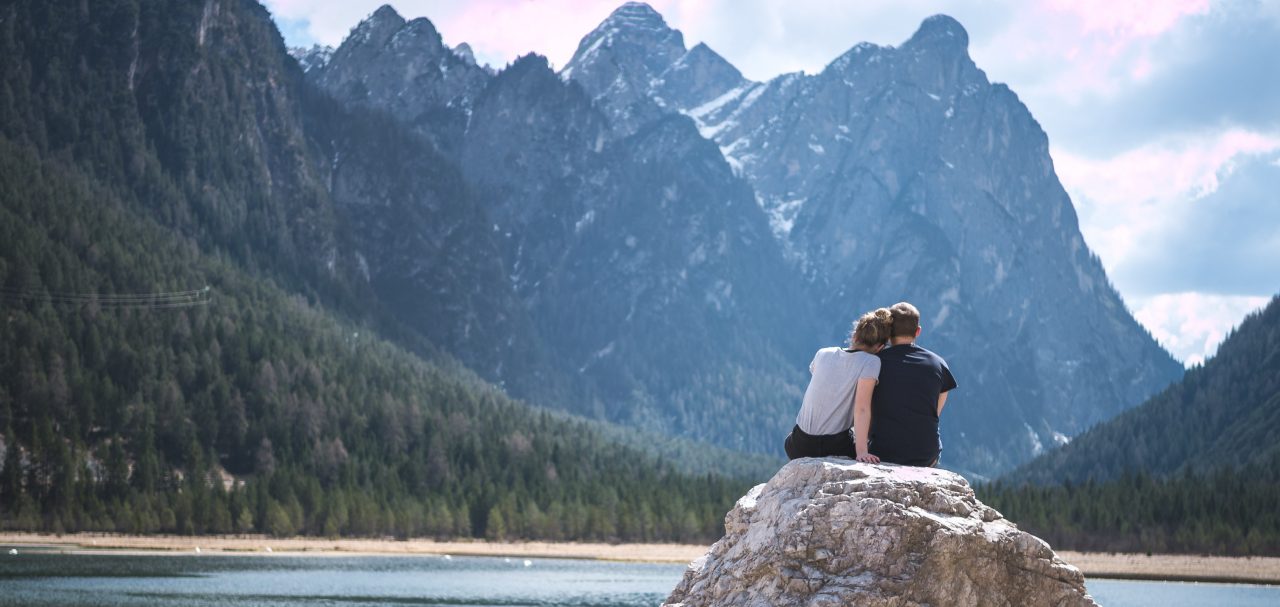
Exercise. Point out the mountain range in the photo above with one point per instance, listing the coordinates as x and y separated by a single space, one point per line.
1225 414
229 304
644 237
1195 469
678 239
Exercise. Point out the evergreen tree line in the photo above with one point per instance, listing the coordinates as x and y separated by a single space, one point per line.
1227 512
261 412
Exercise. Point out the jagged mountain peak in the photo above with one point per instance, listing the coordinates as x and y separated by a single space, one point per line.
421 27
464 52
527 64
702 48
386 27
405 67
377 28
632 24
638 15
314 58
697 77
702 56
860 52
702 52
386 12
941 31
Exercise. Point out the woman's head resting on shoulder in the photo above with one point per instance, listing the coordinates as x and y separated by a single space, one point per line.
871 330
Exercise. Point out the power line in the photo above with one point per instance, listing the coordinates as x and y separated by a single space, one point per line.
157 300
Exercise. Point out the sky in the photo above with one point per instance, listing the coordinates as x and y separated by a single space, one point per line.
1163 116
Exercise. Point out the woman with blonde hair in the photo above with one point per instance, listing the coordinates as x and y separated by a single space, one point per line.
839 394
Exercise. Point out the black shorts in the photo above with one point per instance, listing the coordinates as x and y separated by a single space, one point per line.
801 444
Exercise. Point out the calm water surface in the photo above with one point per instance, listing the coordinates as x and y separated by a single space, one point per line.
169 580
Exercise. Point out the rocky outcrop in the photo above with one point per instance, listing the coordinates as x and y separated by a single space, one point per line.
825 532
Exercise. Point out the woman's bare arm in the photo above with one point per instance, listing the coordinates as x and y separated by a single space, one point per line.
862 419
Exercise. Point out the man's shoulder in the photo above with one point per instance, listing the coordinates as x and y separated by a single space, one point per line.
931 354
911 354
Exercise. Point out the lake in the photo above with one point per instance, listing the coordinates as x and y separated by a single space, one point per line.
33 579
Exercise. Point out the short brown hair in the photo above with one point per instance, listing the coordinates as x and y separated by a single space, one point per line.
906 319
872 328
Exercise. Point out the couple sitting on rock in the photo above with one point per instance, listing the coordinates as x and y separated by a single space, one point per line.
875 401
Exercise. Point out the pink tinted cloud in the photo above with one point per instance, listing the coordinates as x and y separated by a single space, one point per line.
1130 19
504 29
1192 325
1163 171
1130 200
1087 47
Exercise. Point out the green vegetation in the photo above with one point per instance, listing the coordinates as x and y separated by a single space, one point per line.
151 147
126 418
1224 413
1194 469
1230 512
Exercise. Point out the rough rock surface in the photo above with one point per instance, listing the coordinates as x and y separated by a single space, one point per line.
834 532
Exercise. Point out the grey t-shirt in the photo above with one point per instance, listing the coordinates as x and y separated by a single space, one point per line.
828 401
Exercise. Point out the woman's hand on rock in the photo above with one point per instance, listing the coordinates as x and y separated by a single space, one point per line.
867 458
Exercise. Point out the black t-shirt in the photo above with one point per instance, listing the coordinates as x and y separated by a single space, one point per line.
904 406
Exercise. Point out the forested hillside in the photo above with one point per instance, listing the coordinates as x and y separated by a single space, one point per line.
134 416
1223 414
1194 469
1227 512
151 149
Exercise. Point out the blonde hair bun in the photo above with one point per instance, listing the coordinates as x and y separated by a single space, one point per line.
872 328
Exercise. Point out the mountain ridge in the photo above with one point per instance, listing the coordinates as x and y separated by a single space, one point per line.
1223 414
969 215
970 223
198 155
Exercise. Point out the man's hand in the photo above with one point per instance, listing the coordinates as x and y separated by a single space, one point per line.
867 458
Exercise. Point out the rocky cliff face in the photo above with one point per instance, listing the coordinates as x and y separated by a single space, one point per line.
683 238
237 151
833 532
404 68
644 260
904 174
637 68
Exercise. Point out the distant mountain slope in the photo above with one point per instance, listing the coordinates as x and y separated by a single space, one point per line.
645 263
404 68
151 147
649 271
645 237
903 173
682 239
1225 414
219 137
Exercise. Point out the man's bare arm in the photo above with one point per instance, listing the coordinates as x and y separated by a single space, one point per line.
942 400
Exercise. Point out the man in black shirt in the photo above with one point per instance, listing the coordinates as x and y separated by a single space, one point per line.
908 400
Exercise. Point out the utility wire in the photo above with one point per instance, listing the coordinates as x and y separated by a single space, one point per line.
158 300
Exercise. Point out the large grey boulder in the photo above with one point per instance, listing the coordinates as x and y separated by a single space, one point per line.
825 532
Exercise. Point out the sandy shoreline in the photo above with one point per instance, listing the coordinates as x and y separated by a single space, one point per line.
256 544
1176 567
1162 567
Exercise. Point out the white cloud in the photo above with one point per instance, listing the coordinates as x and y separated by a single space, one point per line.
1192 325
1133 200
